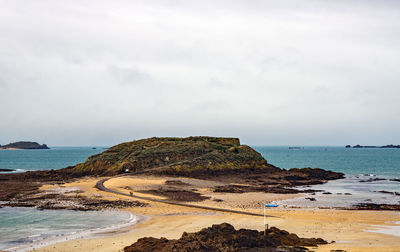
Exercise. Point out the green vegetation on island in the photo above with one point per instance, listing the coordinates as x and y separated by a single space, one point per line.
189 156
24 145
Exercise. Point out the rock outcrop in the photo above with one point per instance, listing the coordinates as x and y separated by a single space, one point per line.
208 158
224 237
191 156
196 157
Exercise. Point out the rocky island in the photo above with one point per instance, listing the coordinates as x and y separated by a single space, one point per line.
207 180
24 145
237 168
389 146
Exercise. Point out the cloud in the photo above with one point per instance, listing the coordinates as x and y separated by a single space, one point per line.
2 82
269 72
216 83
130 76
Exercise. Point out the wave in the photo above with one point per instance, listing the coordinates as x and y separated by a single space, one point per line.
38 241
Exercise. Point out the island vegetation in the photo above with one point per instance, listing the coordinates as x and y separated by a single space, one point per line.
24 145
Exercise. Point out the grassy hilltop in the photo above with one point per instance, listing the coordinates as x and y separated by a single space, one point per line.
191 156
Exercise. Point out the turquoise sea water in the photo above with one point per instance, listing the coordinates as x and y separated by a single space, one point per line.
54 158
357 164
351 161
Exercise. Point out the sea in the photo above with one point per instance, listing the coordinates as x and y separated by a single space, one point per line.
20 227
380 166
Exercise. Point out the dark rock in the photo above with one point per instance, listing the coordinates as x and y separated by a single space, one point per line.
60 201
387 192
224 237
326 193
243 189
373 206
374 146
371 180
311 199
6 170
176 183
10 190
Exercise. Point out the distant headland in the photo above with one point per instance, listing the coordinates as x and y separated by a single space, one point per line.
24 145
374 146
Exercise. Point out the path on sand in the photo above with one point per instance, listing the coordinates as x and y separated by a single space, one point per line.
100 186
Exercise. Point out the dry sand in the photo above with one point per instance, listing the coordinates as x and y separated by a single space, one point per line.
346 228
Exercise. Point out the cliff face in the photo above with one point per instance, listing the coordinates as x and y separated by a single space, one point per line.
24 145
174 156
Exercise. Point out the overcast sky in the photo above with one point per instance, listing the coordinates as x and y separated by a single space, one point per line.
269 72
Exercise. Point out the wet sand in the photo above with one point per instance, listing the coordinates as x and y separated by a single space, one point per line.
349 229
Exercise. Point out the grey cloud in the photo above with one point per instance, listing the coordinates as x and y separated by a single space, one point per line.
216 83
281 72
130 76
2 82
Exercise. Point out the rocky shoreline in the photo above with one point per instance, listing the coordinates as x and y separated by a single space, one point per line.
69 200
7 170
374 207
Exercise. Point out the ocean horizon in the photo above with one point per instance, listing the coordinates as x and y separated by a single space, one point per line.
351 161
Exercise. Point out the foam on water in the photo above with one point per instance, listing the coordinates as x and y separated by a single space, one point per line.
22 229
389 229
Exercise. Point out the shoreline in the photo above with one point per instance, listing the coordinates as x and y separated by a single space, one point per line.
351 230
162 220
93 233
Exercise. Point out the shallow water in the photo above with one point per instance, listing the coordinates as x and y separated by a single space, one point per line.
393 229
357 164
28 225
345 193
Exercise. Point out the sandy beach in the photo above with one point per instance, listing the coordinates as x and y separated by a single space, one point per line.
350 230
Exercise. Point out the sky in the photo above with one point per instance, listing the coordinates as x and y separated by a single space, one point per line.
297 72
